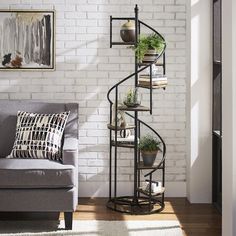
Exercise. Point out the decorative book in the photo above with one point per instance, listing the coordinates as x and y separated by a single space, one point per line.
157 80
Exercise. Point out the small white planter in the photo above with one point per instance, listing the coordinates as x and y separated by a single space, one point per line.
150 56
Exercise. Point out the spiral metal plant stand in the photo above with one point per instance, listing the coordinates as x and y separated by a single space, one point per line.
142 201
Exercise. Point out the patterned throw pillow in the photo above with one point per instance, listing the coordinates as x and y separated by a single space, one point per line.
39 135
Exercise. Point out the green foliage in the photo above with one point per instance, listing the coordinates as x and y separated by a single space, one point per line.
152 41
149 144
131 97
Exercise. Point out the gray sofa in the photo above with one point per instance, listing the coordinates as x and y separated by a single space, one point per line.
38 185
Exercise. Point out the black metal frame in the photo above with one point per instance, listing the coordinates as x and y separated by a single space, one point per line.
134 204
53 36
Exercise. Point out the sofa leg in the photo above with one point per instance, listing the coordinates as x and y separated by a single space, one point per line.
68 220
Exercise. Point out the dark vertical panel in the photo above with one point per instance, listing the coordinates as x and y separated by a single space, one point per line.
217 108
217 172
217 30
217 97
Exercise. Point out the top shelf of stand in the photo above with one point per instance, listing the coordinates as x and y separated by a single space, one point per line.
122 18
122 43
119 43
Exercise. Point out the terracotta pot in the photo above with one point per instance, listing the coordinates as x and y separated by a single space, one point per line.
149 157
127 31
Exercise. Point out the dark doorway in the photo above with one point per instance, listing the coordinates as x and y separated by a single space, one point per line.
217 107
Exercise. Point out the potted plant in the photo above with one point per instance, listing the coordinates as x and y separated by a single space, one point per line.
132 98
149 47
149 147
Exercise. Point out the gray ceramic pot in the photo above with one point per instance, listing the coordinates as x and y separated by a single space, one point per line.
127 32
149 158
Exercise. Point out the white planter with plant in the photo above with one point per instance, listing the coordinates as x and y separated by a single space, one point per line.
149 147
149 47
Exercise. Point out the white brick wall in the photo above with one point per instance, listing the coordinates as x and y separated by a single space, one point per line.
85 69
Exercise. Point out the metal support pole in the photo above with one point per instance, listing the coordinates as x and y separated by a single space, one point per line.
115 164
163 182
110 159
150 192
151 89
164 63
110 31
136 113
139 131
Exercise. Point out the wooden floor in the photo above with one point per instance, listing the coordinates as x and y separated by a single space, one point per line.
195 219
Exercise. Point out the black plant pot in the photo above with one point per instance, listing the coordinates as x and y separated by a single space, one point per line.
149 158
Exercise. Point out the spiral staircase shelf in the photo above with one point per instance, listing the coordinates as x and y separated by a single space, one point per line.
150 202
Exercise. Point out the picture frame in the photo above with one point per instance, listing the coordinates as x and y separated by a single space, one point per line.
27 40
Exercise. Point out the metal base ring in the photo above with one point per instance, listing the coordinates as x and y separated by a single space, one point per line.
140 206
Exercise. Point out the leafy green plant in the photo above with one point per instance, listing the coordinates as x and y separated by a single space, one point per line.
149 144
131 98
152 41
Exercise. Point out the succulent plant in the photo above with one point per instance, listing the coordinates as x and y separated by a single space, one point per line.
131 98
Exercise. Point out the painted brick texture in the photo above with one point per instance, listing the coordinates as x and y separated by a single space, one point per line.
86 68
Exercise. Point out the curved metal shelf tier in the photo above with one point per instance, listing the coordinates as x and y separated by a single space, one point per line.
144 206
142 201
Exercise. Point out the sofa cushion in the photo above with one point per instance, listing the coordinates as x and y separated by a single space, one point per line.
39 135
35 173
9 109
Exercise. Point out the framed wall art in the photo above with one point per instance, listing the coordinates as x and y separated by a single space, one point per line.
27 40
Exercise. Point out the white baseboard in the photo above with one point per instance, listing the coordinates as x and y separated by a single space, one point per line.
100 189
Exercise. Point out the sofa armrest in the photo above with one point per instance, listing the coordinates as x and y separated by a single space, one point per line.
70 151
70 157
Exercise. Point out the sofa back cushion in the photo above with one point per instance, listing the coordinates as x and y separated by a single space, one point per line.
8 115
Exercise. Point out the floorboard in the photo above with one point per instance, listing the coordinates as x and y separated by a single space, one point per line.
195 219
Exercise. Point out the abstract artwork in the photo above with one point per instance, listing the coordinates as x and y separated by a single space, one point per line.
27 39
